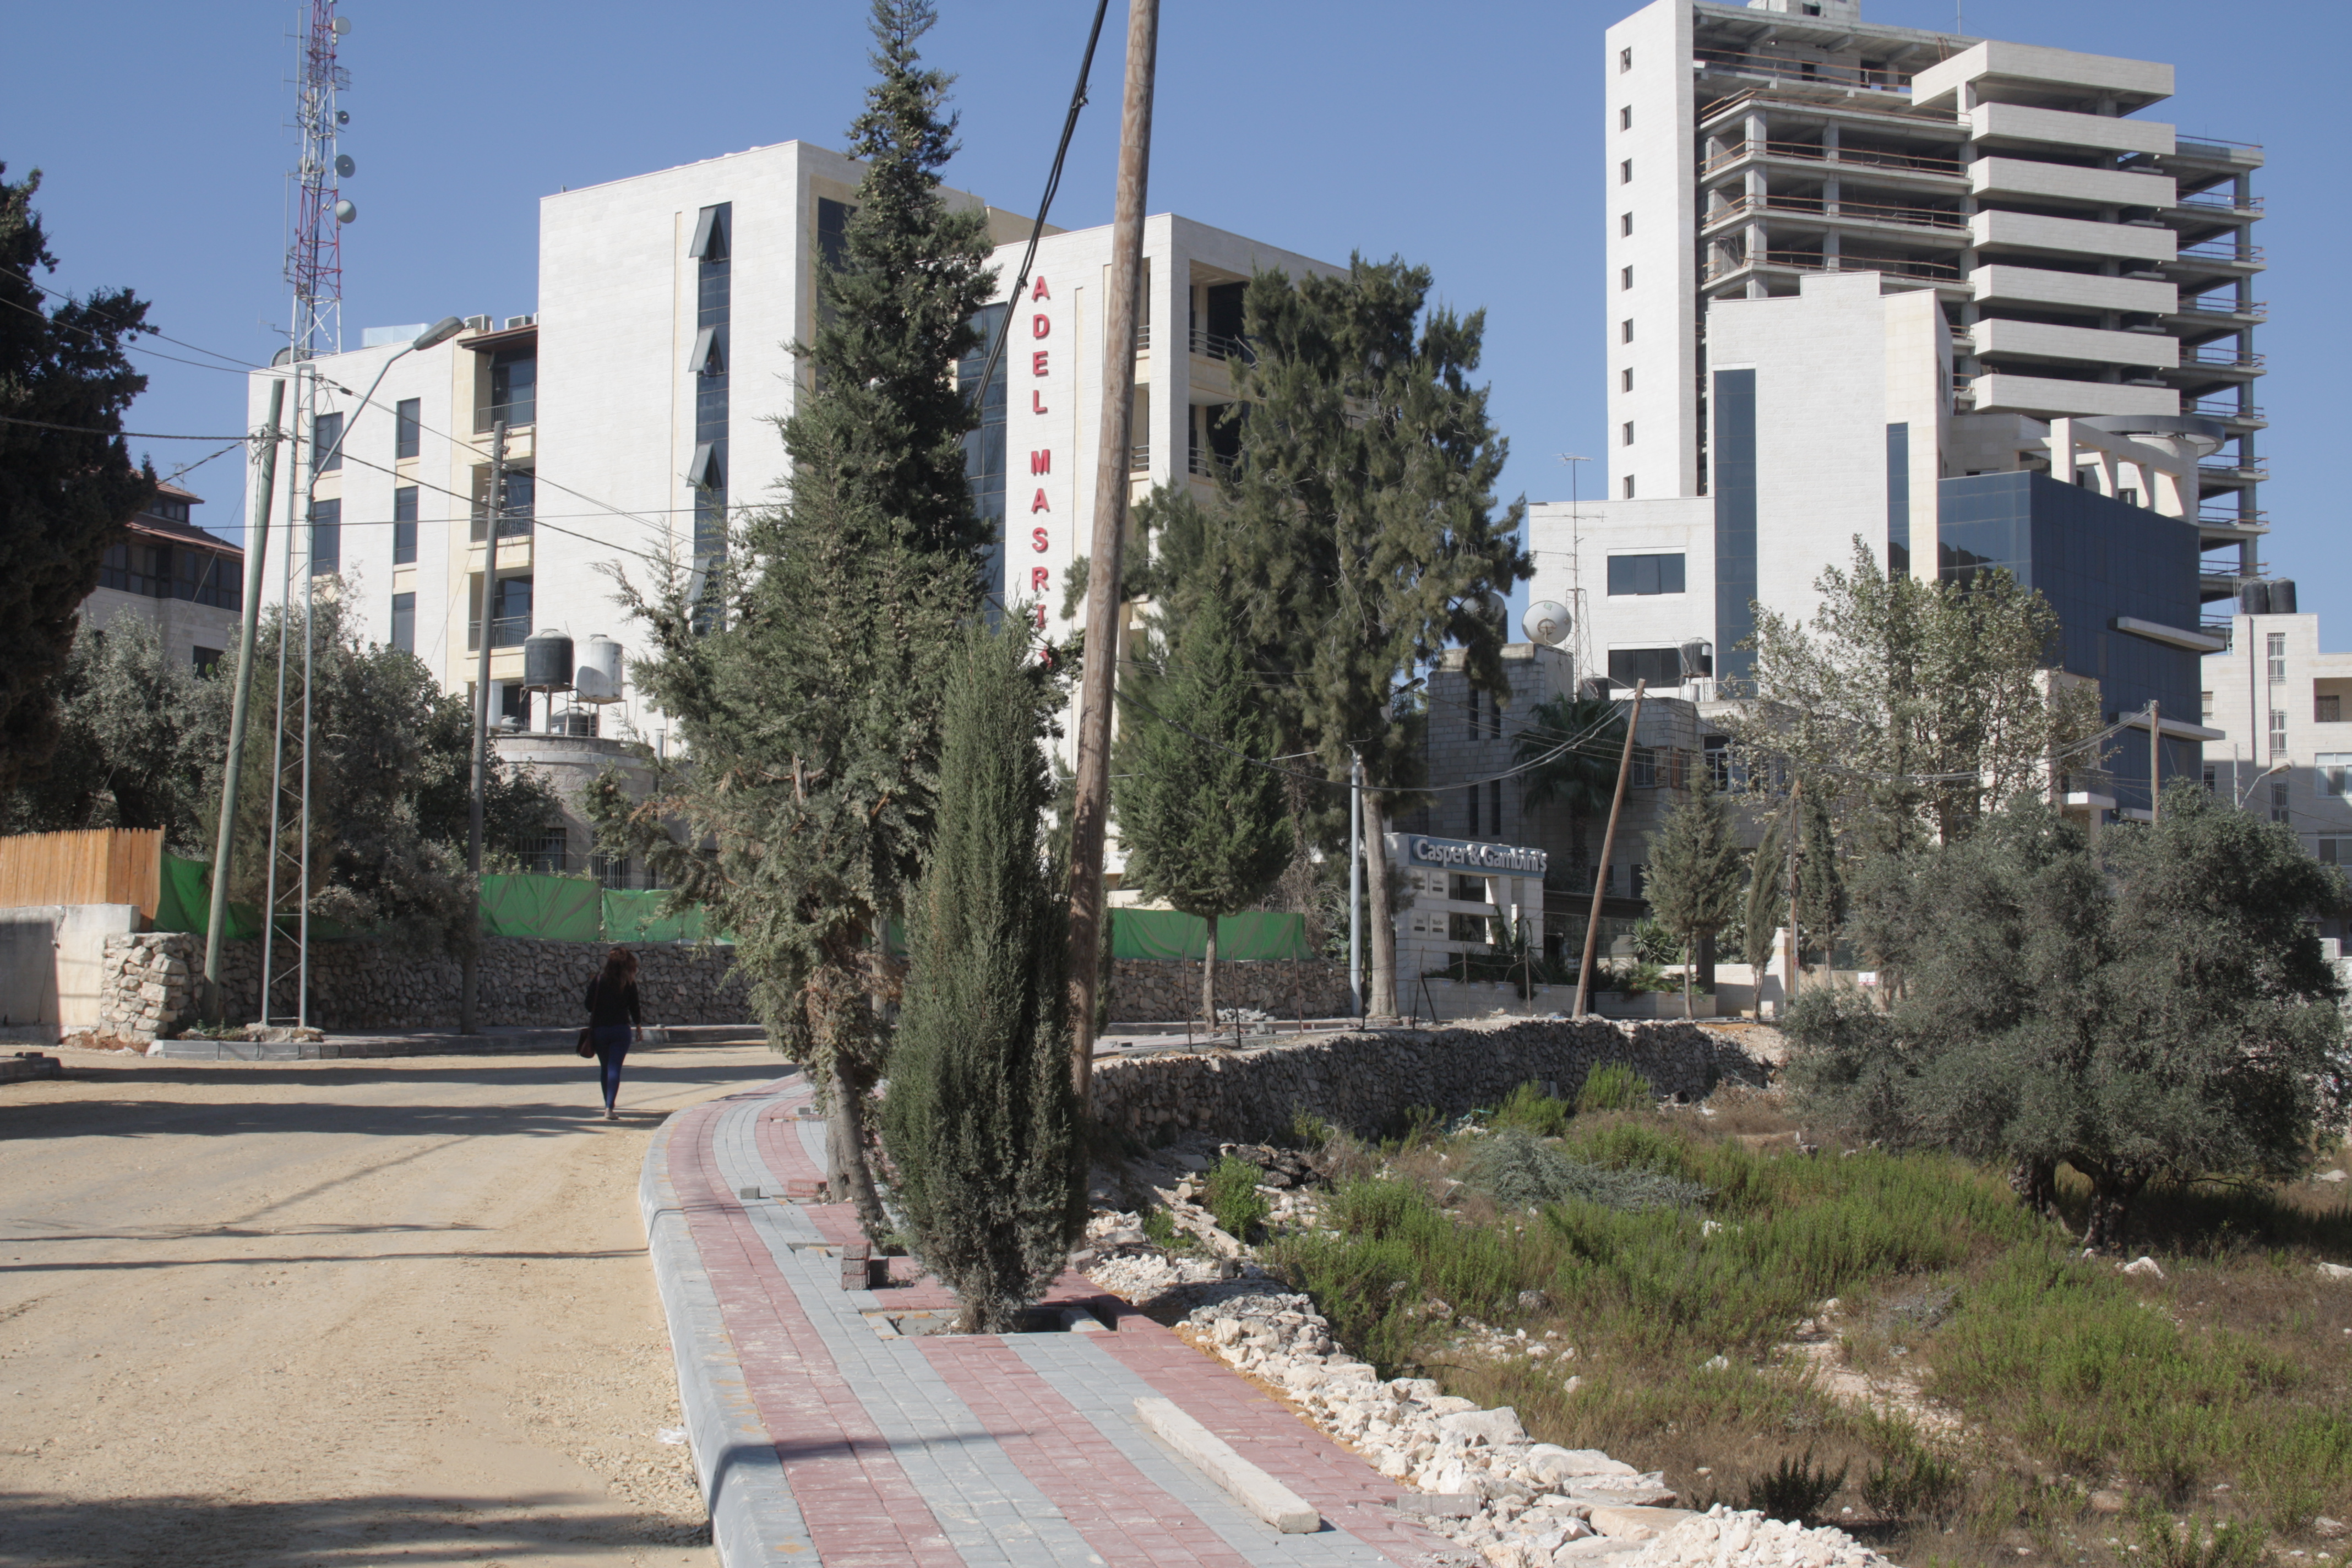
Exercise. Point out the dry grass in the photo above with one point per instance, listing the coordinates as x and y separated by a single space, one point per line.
2012 1379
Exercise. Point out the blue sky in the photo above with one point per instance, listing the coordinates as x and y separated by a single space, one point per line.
1465 136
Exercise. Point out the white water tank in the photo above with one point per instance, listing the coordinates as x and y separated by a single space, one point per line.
598 677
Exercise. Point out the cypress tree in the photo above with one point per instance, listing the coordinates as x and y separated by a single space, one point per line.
981 1121
1204 830
1695 872
1821 884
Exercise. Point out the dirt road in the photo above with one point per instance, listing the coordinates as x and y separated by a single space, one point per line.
294 1313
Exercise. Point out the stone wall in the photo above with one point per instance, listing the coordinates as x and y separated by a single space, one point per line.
149 984
1167 990
1363 1081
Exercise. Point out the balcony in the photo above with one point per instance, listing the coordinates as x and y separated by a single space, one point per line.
1213 345
1139 457
1812 151
1811 73
521 411
1942 274
506 631
1954 223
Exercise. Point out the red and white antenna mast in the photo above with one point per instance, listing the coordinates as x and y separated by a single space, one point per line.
314 255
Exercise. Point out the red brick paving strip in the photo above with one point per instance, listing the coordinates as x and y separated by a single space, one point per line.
860 1509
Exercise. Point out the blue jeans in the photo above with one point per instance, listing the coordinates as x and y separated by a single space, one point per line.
611 1043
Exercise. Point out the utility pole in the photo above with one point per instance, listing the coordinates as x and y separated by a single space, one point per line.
469 991
1111 463
1608 844
214 1004
2155 750
1356 881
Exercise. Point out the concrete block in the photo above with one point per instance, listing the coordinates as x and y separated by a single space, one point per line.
1243 1481
1637 1523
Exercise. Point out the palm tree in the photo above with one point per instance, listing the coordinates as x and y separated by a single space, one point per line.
1570 748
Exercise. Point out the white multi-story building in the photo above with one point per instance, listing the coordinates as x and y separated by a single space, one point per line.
188 581
2286 710
640 399
1956 297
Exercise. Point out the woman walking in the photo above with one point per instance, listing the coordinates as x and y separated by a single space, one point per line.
611 1010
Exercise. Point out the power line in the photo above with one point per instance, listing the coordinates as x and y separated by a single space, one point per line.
131 434
127 326
129 347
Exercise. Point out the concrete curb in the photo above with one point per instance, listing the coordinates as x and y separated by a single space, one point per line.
753 1520
496 1042
1214 1457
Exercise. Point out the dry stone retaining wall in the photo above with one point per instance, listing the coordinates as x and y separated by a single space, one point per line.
1163 990
148 986
1363 1080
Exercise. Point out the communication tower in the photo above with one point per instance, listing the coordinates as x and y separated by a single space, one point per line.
314 254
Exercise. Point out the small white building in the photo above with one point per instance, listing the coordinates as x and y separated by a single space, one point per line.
2285 710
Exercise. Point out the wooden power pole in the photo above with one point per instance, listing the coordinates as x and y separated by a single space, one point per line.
1111 463
1608 844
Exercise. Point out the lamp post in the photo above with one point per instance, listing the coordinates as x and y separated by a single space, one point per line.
2268 772
225 840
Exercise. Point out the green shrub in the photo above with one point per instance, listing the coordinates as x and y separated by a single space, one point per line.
1233 1196
1612 1086
1530 1110
1654 943
1310 1131
1913 1483
1795 1489
1520 1172
1160 1226
2193 1543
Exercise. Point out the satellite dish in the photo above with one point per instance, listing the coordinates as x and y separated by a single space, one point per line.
1548 622
342 117
343 25
346 211
346 165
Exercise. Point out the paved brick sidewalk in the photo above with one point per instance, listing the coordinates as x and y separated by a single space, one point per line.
821 1438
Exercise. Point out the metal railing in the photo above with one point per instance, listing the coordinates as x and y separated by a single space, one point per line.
1871 212
1214 345
1814 152
1142 337
2228 516
1207 465
2225 358
506 631
2252 310
2205 410
517 413
2220 251
1139 457
1781 69
2220 204
511 525
2223 628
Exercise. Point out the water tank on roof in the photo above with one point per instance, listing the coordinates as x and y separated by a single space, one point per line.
547 662
2282 596
598 677
2253 598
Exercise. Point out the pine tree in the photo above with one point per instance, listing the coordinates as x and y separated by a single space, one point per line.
1821 881
65 494
1204 830
811 711
1696 872
981 1122
1766 908
1366 539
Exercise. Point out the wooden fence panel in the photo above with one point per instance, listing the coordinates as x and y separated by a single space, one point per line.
99 865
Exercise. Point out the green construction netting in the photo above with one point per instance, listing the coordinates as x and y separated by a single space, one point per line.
639 916
553 908
184 900
1164 933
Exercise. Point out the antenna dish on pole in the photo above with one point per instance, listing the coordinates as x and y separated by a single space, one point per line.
346 165
346 211
1546 621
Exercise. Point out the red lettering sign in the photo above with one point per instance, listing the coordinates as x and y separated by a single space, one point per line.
1040 504
1039 578
1041 325
1041 462
1041 616
1041 291
1037 401
1037 540
1037 363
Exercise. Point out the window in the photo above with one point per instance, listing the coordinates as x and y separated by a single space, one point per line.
1625 173
714 323
1624 60
2205 704
326 538
326 442
1473 794
2212 779
1658 666
1644 575
514 386
1495 804
1625 331
2326 707
1629 433
514 705
403 622
2333 768
403 525
2277 655
206 660
407 427
543 849
1629 486
1646 765
2127 495
1626 379
1470 929
509 612
521 500
2279 810
1624 223
1719 761
1624 278
1625 117
2334 850
2278 732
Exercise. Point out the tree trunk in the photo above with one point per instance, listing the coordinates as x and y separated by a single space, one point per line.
1380 1000
2035 1180
1689 963
848 1177
1208 975
2113 1189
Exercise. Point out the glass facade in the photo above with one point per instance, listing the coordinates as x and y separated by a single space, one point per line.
514 386
407 427
403 525
714 287
326 537
1645 574
1898 500
1734 480
403 622
983 449
327 442
2094 559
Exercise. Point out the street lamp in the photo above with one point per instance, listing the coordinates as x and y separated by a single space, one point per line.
2266 773
225 840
